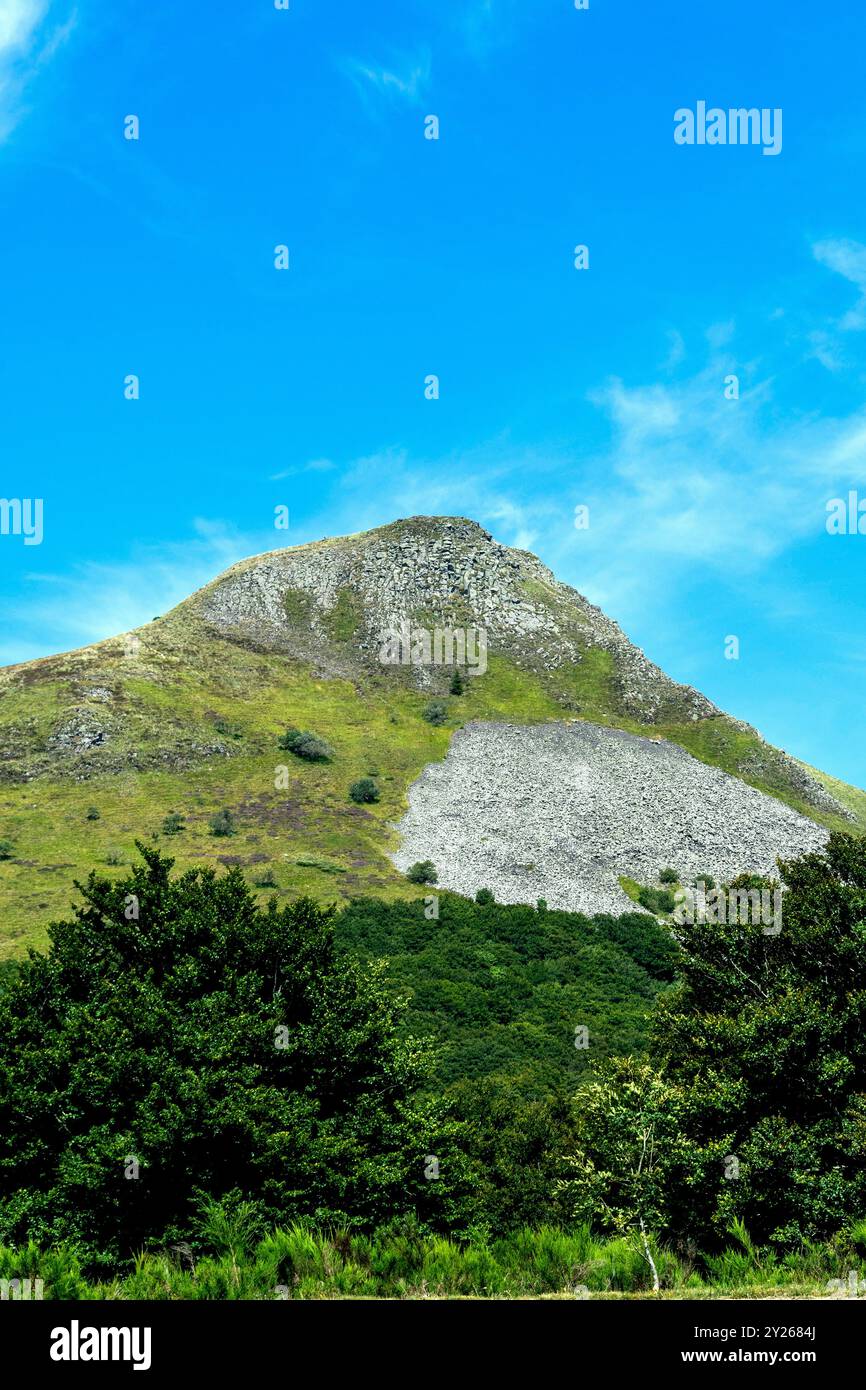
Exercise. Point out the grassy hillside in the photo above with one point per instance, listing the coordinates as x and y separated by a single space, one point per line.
192 724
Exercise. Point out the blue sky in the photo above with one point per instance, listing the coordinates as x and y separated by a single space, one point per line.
408 256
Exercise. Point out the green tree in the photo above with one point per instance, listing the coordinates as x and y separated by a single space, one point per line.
456 687
758 1097
422 872
208 1045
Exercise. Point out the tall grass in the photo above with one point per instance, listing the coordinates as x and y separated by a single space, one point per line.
234 1260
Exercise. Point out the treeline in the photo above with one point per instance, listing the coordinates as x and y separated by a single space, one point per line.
182 1048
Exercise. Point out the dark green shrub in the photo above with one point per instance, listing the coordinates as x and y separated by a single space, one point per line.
7 849
223 823
435 712
456 687
422 872
306 745
364 791
484 897
173 823
266 880
93 813
656 900
706 879
669 876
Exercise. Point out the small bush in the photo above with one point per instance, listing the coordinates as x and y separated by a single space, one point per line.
484 897
422 872
456 687
223 823
669 876
173 823
113 856
306 745
7 849
364 791
656 900
266 880
706 879
93 813
435 712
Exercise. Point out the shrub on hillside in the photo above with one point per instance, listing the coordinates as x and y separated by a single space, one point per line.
223 823
484 897
456 687
669 876
7 849
364 791
173 823
435 712
306 745
93 813
656 900
422 872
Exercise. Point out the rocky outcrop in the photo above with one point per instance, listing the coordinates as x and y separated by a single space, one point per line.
445 571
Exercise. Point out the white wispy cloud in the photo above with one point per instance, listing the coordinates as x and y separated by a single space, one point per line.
313 466
31 31
97 600
846 258
405 79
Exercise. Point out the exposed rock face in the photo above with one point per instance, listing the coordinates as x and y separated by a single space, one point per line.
560 811
330 602
444 571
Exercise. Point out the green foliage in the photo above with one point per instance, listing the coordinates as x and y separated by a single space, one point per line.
305 745
435 712
229 1257
226 1047
223 823
93 813
364 791
760 1052
422 872
484 897
344 621
706 879
173 824
669 876
298 607
456 687
656 900
502 986
7 849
